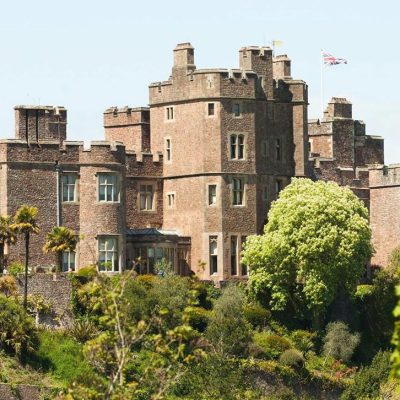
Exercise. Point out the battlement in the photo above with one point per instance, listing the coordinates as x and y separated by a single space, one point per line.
281 67
385 175
338 107
126 116
37 124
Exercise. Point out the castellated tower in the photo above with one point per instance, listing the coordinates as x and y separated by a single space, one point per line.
231 140
36 124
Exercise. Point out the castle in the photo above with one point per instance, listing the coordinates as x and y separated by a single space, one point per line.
191 176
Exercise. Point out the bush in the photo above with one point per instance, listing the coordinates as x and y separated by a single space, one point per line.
339 342
85 274
83 330
272 344
257 315
292 358
8 286
16 268
198 318
147 281
303 340
16 327
228 331
61 355
367 382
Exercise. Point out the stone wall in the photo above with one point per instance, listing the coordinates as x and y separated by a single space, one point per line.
55 288
22 392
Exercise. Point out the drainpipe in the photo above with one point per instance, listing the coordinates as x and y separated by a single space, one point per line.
58 170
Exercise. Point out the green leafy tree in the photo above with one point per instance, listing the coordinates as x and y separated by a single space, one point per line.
25 223
7 236
228 330
60 240
316 242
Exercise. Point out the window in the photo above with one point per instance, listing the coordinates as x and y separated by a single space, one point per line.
108 254
236 109
211 109
213 255
243 266
146 197
264 148
278 149
237 147
212 194
170 112
168 150
68 261
108 188
238 191
278 187
68 187
234 270
309 146
171 200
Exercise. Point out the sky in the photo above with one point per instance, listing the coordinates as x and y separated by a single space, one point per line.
90 55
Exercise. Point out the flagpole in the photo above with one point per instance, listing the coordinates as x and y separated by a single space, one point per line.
322 82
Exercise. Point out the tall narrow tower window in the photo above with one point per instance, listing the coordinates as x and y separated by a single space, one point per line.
168 150
278 149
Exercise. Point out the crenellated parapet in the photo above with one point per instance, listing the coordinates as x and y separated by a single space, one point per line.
385 176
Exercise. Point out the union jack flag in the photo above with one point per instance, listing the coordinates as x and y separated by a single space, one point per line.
329 59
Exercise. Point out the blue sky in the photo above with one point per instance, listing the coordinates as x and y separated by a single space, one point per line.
89 55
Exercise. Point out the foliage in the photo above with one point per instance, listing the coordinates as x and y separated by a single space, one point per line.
292 358
59 240
83 330
197 317
17 328
339 342
257 315
317 239
16 268
8 286
228 331
272 344
62 356
25 223
134 358
396 339
303 340
367 382
394 262
364 291
7 236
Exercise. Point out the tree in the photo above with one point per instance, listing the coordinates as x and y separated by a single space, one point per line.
25 223
315 243
7 236
60 240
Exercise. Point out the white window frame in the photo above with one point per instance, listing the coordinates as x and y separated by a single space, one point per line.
169 113
170 199
68 261
111 186
68 187
212 198
146 196
108 252
238 191
213 253
237 146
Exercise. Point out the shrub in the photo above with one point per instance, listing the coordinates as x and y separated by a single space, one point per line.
63 356
198 318
257 315
146 280
16 327
16 268
228 331
272 344
83 330
292 358
85 274
368 381
339 342
8 285
303 340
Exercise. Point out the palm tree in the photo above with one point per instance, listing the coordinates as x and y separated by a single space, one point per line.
59 240
7 236
25 223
